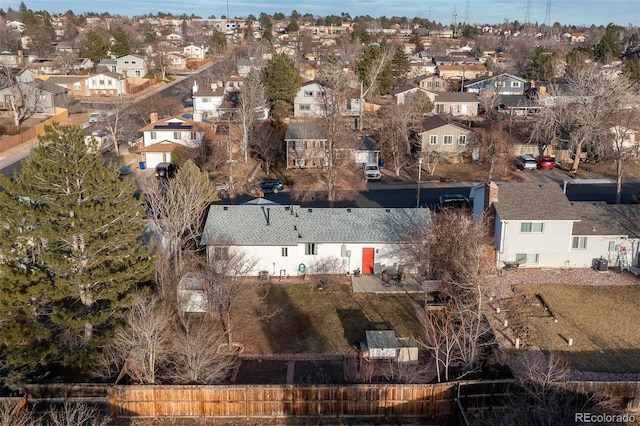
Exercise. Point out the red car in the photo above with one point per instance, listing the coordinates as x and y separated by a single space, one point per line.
545 162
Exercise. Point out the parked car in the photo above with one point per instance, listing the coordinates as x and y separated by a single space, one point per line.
372 171
270 186
526 162
456 201
545 162
165 170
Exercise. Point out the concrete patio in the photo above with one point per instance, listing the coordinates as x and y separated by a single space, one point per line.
375 284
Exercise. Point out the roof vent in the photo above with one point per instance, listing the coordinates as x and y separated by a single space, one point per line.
388 210
225 208
349 210
310 210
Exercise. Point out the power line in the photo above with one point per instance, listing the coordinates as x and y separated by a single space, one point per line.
527 16
547 16
466 13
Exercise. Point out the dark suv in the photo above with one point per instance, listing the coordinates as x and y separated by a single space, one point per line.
165 170
270 186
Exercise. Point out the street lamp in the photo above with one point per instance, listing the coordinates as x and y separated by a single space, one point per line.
419 176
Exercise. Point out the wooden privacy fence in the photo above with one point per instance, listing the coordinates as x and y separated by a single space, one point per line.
269 401
23 135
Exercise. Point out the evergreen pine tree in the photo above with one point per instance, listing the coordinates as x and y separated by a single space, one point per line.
281 79
72 255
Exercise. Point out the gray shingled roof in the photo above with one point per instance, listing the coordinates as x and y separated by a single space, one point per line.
305 130
290 225
533 201
456 97
607 219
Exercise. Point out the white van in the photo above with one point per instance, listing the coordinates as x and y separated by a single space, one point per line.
94 117
372 171
99 141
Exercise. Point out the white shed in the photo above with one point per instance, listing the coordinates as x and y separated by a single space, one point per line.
192 297
384 344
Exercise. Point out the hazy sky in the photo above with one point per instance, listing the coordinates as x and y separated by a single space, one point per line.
578 12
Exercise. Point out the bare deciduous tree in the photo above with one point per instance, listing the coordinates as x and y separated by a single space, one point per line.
266 143
76 414
251 105
25 98
196 357
495 147
179 206
583 115
142 345
225 271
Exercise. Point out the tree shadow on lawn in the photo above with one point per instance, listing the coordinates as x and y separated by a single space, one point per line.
355 323
291 330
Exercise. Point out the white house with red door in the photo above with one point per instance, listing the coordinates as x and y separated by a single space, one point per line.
292 240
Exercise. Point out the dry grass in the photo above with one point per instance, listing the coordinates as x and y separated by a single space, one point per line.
325 321
601 320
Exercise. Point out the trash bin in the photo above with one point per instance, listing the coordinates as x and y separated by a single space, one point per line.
143 165
264 276
602 264
381 164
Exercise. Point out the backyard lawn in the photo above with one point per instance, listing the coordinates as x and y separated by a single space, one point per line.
601 320
330 321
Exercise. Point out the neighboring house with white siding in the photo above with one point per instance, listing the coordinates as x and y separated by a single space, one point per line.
291 240
436 134
162 137
537 226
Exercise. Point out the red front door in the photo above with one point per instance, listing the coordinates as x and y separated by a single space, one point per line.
367 261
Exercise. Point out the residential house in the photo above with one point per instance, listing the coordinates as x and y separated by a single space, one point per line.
177 61
367 150
39 97
19 59
438 135
305 144
132 66
462 72
401 94
291 240
503 84
162 137
75 84
207 99
194 52
108 64
246 65
536 226
455 103
433 83
316 100
106 84
625 137
519 105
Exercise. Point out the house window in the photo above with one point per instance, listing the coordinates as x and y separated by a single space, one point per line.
311 248
101 82
76 86
612 246
500 84
221 253
439 109
462 140
153 135
206 100
305 107
299 145
433 139
532 227
285 251
177 135
527 258
299 162
7 98
579 243
448 140
138 73
193 136
516 84
308 93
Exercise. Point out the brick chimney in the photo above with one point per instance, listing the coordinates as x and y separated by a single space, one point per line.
20 58
153 117
490 194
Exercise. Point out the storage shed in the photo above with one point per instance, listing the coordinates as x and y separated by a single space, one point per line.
384 344
192 297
